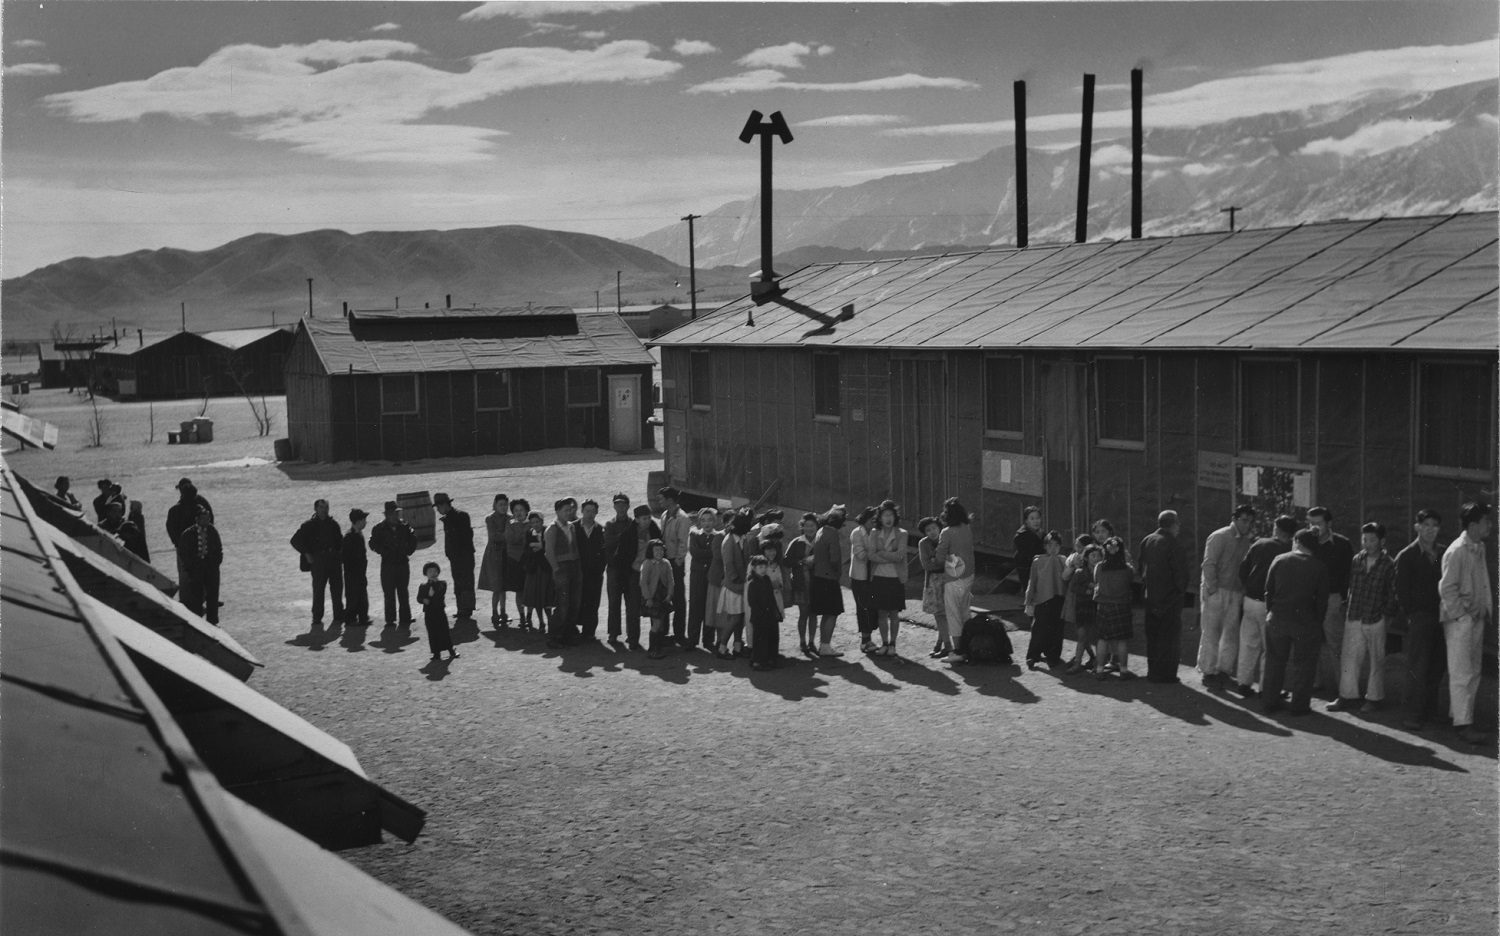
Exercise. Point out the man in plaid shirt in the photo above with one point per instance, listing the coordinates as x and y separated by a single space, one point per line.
1372 601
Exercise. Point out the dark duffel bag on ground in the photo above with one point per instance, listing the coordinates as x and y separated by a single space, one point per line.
984 640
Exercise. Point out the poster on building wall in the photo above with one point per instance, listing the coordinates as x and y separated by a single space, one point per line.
1216 471
1273 490
1013 472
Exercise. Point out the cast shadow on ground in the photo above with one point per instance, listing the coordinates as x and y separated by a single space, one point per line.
317 636
354 637
346 471
914 673
394 639
436 670
998 681
464 630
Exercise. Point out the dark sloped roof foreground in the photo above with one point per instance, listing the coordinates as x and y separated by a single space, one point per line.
1404 283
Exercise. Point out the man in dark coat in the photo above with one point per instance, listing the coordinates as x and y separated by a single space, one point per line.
1296 602
591 562
458 546
201 554
1165 574
319 540
356 588
618 577
393 540
1418 574
103 499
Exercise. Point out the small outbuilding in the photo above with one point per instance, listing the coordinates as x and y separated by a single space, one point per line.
1350 364
254 359
184 364
436 383
649 321
65 363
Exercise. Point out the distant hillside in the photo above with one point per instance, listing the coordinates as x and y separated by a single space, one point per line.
1377 155
242 281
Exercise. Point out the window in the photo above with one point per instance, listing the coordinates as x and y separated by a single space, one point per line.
1120 397
1455 420
700 380
1003 382
825 369
398 395
583 386
1269 417
492 390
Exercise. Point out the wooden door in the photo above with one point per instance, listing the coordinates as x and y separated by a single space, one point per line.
919 434
625 412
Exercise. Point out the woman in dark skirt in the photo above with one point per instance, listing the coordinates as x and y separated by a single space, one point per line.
513 572
432 595
824 593
886 546
1112 619
492 565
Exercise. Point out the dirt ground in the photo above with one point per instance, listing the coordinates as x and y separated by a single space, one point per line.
592 792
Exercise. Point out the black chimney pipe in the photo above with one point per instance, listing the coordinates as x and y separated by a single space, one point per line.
1085 152
448 301
1022 208
1137 147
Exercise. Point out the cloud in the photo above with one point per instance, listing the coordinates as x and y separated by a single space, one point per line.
593 35
786 55
767 79
537 9
1378 138
28 44
369 101
854 120
32 70
1275 88
542 28
924 165
694 47
1115 154
385 27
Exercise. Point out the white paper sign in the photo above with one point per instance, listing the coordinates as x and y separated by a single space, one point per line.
1005 471
1301 490
1250 481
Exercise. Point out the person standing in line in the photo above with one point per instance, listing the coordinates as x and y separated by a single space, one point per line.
589 535
886 547
618 572
859 578
514 575
1372 601
1337 554
798 560
932 584
567 575
1467 604
458 546
538 594
656 587
1296 604
136 541
394 541
432 595
202 556
714 623
1114 624
1027 543
63 488
956 552
824 593
732 595
185 483
1221 602
102 500
676 528
319 540
114 518
1046 590
700 554
355 562
1165 576
1418 574
492 563
765 612
1250 662
180 515
1078 606
632 554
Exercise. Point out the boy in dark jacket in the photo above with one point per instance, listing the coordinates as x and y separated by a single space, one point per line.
201 553
765 615
356 587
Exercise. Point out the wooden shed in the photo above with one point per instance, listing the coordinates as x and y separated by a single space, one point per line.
157 366
65 363
253 359
436 383
1350 364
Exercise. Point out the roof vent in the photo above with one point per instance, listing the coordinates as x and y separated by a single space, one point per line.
846 313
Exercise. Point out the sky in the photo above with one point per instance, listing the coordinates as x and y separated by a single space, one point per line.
130 125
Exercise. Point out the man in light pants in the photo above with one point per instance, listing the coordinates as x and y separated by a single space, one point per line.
1252 575
1220 597
1372 601
1467 605
1337 554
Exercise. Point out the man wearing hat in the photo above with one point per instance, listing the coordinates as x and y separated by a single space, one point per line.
184 483
356 587
676 528
393 540
319 540
458 546
201 554
617 578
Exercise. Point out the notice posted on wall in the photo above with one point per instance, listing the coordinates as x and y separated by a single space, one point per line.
1013 472
1274 490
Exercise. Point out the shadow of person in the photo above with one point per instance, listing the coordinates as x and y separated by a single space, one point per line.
512 638
436 669
996 680
1181 701
792 679
914 672
464 630
317 636
394 639
851 670
354 638
1373 743
674 667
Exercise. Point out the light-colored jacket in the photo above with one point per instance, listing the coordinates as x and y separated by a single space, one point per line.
676 527
887 553
859 554
1223 552
1465 584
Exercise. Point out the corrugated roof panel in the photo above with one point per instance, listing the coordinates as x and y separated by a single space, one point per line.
236 338
888 296
1400 264
1474 327
1006 273
878 279
1387 322
972 273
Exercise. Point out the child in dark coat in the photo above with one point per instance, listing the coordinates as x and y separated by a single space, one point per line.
432 595
765 614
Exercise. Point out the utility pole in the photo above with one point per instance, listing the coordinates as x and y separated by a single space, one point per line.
619 306
309 297
692 267
1230 211
596 300
184 316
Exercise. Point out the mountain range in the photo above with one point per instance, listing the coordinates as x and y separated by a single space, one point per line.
1381 154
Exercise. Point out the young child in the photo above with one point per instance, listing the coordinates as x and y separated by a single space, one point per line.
1081 588
537 595
432 596
765 612
1076 586
932 579
656 594
1113 625
799 560
1044 601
